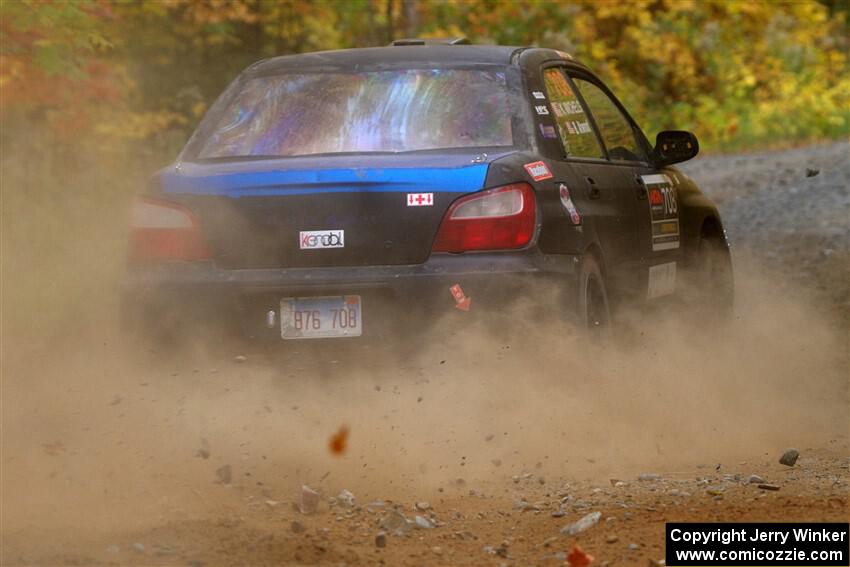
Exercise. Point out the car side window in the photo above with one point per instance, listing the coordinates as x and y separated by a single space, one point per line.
616 131
573 124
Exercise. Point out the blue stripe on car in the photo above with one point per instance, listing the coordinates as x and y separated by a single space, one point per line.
315 181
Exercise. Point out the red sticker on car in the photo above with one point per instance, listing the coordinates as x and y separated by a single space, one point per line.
655 197
538 171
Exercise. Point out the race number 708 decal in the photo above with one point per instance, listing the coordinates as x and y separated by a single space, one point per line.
663 212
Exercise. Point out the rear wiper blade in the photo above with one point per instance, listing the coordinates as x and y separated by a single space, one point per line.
238 158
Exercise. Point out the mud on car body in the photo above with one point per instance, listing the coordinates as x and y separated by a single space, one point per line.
333 194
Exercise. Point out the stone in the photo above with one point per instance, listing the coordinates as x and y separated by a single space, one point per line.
381 539
649 477
789 457
395 523
754 479
422 523
581 525
164 550
309 500
346 498
297 527
524 505
771 487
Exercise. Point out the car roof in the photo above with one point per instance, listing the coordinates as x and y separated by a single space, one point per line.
392 56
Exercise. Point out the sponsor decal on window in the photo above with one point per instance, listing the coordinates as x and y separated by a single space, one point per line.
538 171
538 95
574 127
317 239
548 131
541 110
567 107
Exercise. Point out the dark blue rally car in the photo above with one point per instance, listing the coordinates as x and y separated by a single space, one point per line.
340 193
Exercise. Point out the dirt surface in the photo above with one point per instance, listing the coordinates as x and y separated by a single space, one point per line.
787 212
117 454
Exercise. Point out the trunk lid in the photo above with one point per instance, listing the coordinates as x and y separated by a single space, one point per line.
324 210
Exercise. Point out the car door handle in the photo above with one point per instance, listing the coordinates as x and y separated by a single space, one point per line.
593 192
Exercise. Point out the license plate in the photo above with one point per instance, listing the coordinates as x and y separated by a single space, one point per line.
320 317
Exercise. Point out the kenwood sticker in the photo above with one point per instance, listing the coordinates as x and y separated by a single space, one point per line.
663 212
538 171
317 239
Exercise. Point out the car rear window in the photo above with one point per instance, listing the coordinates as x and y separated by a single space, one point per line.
375 111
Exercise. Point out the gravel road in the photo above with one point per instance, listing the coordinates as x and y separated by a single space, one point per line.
115 456
788 211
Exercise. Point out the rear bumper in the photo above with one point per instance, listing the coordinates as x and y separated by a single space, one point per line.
391 294
205 276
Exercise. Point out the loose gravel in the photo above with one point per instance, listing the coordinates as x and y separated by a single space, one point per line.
788 210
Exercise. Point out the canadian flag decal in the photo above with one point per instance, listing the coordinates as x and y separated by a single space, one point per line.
420 199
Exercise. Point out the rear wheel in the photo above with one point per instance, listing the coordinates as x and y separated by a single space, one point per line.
592 308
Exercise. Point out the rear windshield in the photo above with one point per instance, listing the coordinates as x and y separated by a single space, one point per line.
377 111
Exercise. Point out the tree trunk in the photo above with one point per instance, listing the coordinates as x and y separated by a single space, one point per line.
410 15
390 26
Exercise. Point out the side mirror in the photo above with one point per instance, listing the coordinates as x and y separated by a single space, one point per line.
674 146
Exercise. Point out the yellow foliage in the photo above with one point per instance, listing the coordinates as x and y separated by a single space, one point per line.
737 72
138 125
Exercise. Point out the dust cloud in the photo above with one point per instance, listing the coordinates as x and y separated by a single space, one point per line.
101 432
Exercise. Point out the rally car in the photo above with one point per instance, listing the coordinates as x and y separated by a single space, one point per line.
336 194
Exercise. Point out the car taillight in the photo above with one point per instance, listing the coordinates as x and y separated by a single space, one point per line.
164 231
497 219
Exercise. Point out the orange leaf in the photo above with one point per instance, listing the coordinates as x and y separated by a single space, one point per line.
578 558
339 441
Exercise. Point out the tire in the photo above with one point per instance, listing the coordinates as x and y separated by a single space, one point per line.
592 307
709 292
